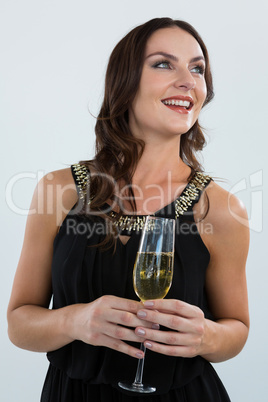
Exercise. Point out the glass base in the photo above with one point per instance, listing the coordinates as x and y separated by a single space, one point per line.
136 387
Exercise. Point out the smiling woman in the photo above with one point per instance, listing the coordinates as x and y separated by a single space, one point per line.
177 78
82 246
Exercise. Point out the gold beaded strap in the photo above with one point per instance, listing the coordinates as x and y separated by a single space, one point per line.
191 193
81 177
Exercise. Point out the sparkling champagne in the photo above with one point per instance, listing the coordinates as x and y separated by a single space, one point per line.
152 275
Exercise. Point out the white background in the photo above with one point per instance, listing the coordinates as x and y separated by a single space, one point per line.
53 60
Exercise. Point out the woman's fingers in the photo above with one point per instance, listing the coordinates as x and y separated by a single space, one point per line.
125 318
186 322
169 337
120 311
171 321
171 343
120 346
174 314
178 350
120 332
172 306
117 303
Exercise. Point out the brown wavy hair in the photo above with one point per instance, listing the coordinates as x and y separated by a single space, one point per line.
117 150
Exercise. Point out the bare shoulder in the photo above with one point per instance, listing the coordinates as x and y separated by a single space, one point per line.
225 209
55 195
226 216
62 178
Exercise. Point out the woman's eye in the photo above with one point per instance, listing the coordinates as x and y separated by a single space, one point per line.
162 64
198 69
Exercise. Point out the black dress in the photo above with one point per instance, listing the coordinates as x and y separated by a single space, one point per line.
79 372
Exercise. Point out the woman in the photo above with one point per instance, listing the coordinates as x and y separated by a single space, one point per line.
81 247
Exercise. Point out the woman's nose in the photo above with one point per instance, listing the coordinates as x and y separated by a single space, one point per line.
185 80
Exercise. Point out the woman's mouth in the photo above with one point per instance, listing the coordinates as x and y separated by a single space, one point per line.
180 105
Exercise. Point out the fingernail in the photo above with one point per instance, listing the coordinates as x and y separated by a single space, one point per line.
139 355
140 331
148 303
155 326
141 314
148 345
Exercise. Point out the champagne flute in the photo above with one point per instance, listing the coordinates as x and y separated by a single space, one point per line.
152 276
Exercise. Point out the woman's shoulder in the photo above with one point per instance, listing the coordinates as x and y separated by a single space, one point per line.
57 193
60 177
222 220
226 212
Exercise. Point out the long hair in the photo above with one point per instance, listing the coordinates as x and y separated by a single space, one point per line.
117 150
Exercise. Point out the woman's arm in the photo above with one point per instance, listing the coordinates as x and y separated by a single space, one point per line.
226 277
225 286
31 324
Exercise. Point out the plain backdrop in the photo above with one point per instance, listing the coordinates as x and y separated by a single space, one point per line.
53 60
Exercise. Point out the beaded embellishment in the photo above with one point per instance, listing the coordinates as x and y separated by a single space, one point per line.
128 222
191 193
135 223
82 180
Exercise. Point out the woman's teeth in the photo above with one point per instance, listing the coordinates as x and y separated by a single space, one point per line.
177 102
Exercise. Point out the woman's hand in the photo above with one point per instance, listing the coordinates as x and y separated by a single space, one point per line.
187 326
109 321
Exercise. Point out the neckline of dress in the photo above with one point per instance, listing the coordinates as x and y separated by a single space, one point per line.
115 214
188 197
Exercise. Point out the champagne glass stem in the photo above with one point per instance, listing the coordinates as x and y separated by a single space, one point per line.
139 372
137 385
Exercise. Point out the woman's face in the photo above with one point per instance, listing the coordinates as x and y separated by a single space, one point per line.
172 88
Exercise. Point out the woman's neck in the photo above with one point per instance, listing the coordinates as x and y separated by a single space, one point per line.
160 159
